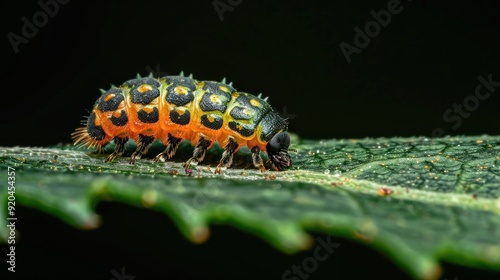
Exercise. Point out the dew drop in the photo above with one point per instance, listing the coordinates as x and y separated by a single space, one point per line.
337 173
327 171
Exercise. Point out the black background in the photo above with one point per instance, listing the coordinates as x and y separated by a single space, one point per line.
427 59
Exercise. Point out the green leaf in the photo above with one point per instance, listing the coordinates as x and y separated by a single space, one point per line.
419 201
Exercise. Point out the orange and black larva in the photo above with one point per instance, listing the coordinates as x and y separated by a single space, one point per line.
175 108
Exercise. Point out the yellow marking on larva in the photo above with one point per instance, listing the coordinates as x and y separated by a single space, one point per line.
117 114
215 99
143 88
180 111
199 84
239 127
97 121
181 90
234 94
210 118
254 102
246 111
148 109
108 97
224 89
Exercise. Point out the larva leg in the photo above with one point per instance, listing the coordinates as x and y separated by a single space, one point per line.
257 159
173 143
119 148
227 156
199 152
142 147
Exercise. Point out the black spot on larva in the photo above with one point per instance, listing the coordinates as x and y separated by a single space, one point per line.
108 103
181 119
179 99
241 113
214 102
244 100
214 98
180 90
140 81
245 130
215 87
146 96
254 113
152 117
270 125
215 124
121 120
95 131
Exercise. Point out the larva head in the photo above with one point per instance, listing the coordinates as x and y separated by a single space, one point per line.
277 150
272 130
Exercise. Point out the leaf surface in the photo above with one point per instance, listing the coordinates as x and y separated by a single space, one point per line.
419 201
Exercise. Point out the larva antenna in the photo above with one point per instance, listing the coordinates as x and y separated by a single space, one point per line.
102 91
223 80
138 76
190 76
181 74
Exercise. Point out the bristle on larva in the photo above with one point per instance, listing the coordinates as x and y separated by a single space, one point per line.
81 138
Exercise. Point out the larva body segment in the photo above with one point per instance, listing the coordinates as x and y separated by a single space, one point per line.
177 108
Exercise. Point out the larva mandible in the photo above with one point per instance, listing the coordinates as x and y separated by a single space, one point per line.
177 108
